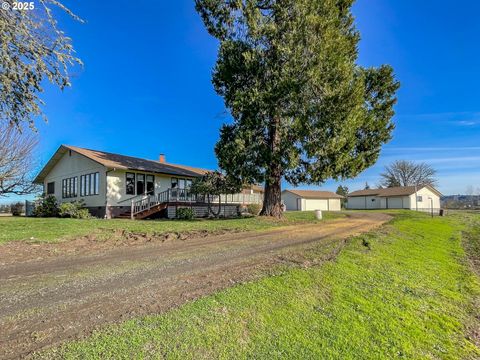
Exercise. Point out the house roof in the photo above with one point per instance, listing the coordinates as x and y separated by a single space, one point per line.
393 191
315 194
117 161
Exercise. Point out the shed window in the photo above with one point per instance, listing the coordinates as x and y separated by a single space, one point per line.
419 198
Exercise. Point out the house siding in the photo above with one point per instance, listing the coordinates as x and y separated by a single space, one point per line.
226 210
73 164
116 194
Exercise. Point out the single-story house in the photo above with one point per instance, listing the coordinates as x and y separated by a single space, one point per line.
421 198
113 185
303 200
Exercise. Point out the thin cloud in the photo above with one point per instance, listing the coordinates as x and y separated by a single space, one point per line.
457 160
433 148
468 122
450 115
462 118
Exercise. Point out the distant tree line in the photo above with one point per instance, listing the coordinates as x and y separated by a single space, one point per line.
16 208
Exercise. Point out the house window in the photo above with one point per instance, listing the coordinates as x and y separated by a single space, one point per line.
51 188
188 184
150 184
181 183
97 183
89 184
130 184
140 184
174 183
86 185
419 198
69 187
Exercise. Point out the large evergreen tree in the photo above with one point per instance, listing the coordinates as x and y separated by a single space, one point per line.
303 109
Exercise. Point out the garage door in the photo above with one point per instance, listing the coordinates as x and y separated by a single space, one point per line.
317 204
395 203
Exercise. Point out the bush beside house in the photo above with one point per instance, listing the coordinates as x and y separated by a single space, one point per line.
185 213
74 210
16 209
254 209
46 206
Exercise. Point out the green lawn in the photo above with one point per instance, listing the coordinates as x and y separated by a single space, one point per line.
404 291
54 229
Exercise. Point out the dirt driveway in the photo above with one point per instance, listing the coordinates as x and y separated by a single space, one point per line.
47 300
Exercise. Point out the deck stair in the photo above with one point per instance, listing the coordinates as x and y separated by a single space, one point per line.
147 205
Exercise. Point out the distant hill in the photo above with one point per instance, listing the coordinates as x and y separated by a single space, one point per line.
460 201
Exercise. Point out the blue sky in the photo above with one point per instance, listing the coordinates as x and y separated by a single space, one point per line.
145 88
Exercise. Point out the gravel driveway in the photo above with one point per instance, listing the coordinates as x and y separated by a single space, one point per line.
47 300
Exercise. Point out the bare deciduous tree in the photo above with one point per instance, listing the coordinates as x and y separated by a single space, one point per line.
16 161
408 173
32 49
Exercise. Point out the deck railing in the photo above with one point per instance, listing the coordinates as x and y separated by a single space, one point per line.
185 195
145 202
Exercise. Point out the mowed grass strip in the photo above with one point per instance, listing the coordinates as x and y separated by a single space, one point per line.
405 291
55 229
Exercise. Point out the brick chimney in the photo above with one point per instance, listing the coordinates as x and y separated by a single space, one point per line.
161 158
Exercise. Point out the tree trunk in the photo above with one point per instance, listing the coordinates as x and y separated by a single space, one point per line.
272 200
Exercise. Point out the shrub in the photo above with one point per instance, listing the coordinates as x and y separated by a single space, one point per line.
254 209
46 207
185 213
16 209
74 210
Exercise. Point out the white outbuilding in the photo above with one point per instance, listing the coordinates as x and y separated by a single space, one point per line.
303 200
421 198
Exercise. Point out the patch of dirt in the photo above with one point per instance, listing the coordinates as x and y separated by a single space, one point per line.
48 297
101 240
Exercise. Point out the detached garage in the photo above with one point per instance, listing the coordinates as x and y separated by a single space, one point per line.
421 198
304 200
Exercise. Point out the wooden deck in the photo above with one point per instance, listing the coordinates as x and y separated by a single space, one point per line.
143 206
